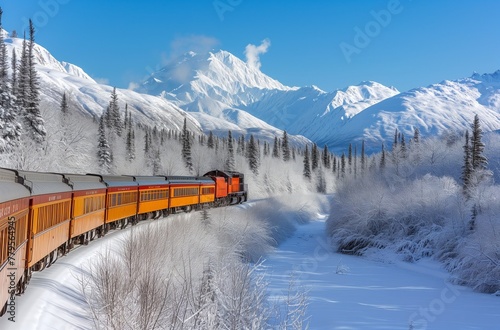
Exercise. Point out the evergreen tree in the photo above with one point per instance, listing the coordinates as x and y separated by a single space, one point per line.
307 167
266 149
403 146
326 157
382 158
64 105
104 153
342 165
479 161
14 82
349 157
395 144
285 147
230 165
35 123
114 117
23 80
276 152
314 157
467 166
3 61
210 142
363 156
253 155
186 147
416 135
130 144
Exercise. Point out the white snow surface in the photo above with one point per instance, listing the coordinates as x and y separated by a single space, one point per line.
344 292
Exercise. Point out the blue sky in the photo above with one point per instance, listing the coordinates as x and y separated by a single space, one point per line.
328 43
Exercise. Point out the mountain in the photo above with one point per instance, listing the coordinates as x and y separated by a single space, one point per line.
92 98
443 108
225 87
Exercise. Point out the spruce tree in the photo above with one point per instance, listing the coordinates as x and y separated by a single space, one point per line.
349 157
416 135
3 61
253 155
479 161
326 157
114 117
104 154
285 147
467 166
363 156
382 158
210 141
276 152
35 122
64 105
23 77
130 143
307 167
13 79
314 157
230 165
342 165
186 147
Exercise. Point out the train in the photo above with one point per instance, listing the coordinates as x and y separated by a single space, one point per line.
45 215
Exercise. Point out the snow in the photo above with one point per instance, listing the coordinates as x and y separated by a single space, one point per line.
348 292
344 292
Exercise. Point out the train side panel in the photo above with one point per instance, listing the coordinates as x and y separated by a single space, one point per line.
184 195
121 203
50 218
153 198
88 211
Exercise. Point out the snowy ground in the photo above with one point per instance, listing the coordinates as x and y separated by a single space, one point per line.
348 292
345 292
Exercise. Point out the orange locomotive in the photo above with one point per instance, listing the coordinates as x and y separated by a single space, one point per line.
44 215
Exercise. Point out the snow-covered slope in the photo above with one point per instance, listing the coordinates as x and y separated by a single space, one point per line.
88 96
449 106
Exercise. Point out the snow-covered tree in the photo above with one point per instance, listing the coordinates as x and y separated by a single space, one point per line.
314 157
285 147
64 105
186 147
307 166
104 152
253 155
114 113
230 164
479 161
210 140
467 166
276 150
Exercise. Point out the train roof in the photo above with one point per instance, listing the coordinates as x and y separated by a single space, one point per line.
42 183
84 182
189 179
116 180
149 180
11 189
226 174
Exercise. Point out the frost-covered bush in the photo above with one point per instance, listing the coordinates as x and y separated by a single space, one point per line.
196 271
415 207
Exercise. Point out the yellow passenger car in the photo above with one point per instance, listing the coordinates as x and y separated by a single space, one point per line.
153 195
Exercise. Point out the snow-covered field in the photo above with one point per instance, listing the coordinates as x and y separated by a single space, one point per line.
344 292
348 292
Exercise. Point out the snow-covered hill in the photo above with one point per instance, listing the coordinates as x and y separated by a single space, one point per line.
221 85
438 109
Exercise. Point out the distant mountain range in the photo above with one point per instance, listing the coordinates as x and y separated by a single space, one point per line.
218 92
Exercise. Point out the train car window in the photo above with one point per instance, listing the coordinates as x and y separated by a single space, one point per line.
4 245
